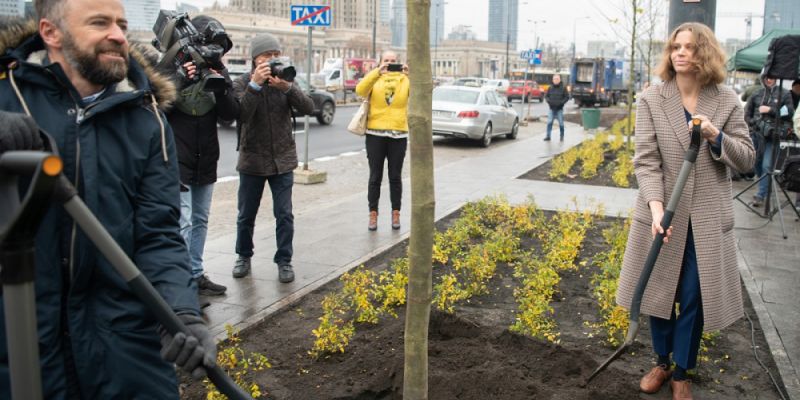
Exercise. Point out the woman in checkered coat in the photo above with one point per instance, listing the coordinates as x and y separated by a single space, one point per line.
697 266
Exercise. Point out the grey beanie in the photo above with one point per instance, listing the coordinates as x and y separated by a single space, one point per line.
263 43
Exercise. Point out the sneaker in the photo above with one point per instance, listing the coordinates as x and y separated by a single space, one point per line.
285 273
208 288
373 221
242 267
547 138
757 202
395 219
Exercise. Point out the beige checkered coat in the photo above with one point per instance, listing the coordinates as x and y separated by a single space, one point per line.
662 138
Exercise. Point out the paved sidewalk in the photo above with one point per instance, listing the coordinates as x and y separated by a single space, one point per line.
333 238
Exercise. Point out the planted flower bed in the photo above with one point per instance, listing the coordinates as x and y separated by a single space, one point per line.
522 309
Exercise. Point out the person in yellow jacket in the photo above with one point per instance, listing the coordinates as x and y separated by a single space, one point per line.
387 131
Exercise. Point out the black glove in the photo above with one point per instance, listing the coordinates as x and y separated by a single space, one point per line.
192 352
18 132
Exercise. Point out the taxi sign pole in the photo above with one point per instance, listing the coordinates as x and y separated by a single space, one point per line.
524 88
308 81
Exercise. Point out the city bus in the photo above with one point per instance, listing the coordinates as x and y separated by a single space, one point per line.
542 76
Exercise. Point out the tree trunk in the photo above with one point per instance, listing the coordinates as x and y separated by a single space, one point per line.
629 130
418 306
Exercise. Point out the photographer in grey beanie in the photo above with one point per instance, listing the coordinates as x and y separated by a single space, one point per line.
267 153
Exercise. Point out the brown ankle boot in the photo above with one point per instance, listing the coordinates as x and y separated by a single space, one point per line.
681 390
373 221
652 382
395 219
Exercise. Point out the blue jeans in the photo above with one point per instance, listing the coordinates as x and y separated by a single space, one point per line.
681 336
551 115
763 168
195 205
251 188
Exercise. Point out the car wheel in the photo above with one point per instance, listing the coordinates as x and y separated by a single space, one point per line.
526 99
541 99
509 99
514 130
486 140
325 116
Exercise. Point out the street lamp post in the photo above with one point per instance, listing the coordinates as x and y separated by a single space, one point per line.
374 27
508 35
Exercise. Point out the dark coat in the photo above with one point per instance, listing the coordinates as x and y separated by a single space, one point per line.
266 143
556 96
95 337
197 138
769 97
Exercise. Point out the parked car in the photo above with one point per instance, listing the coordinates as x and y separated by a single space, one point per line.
470 81
519 90
324 101
474 113
500 85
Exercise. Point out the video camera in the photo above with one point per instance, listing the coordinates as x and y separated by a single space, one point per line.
181 42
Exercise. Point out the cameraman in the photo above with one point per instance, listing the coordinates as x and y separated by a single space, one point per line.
194 122
760 113
267 153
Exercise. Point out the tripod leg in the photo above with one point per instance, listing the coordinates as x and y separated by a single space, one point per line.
777 200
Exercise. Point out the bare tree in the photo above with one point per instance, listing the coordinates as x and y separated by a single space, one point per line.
652 23
418 306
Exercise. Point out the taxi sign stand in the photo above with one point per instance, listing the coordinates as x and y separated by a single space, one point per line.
310 16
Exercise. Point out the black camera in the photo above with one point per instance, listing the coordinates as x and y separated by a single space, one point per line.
280 70
181 42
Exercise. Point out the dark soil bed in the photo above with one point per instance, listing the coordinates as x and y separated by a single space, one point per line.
603 177
474 356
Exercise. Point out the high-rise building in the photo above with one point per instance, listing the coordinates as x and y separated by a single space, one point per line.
436 22
188 8
461 32
781 14
399 20
14 8
345 14
601 48
141 14
385 10
503 21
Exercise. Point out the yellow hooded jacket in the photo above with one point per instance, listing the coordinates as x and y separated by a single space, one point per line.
388 101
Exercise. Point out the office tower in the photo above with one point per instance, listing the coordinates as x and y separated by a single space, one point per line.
141 14
14 8
503 21
781 14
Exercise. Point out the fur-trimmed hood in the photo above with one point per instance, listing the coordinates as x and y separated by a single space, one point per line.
14 31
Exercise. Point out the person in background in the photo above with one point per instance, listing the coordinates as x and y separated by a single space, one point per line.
194 121
267 153
795 93
697 267
387 132
74 75
761 111
556 97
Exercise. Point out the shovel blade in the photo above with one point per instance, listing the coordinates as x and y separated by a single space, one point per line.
633 330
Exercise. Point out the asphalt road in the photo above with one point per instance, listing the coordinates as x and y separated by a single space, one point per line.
325 141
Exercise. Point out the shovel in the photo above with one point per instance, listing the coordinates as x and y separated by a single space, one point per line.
655 248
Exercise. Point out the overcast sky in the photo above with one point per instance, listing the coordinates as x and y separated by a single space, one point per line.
590 18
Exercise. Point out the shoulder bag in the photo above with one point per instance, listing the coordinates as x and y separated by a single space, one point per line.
358 125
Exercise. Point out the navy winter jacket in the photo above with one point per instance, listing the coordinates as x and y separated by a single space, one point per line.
95 338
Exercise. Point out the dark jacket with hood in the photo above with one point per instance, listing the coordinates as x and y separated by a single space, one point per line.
556 96
95 338
768 97
266 143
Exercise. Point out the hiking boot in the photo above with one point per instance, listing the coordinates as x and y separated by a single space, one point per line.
757 202
208 288
652 382
373 221
242 267
395 219
681 390
285 273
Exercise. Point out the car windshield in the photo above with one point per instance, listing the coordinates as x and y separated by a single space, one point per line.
517 84
455 95
301 82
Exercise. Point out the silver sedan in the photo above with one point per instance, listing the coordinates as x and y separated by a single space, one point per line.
473 113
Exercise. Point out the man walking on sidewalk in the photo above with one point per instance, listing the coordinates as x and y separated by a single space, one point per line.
267 152
556 97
